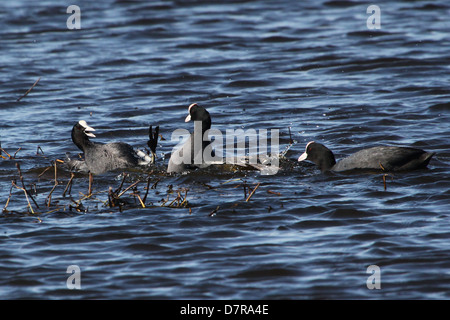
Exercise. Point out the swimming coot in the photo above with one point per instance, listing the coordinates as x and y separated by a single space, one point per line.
384 158
100 158
186 157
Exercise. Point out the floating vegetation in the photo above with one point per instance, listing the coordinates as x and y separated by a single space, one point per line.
53 192
59 190
8 156
133 189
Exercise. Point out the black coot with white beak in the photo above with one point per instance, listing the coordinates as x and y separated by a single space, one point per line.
179 160
386 158
100 158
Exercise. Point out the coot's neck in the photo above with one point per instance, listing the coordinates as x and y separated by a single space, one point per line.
200 114
326 161
326 164
80 139
206 124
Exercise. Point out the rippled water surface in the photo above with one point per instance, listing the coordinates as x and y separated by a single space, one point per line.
311 66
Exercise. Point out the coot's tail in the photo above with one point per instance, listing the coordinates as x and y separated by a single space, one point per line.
426 157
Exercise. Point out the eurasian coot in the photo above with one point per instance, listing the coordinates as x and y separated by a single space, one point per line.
100 158
384 158
190 156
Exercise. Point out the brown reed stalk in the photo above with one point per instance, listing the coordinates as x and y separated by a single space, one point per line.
15 153
7 201
29 90
384 180
69 184
121 183
111 198
45 170
185 202
9 156
273 192
147 188
128 188
91 180
78 206
140 200
290 136
1 150
49 197
155 184
23 186
253 191
39 149
26 195
171 204
181 202
214 211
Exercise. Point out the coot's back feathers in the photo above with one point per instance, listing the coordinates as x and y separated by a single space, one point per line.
386 158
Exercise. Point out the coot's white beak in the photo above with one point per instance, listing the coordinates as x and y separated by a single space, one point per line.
303 157
188 118
87 129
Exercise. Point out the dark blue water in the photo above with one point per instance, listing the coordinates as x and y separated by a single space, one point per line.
310 66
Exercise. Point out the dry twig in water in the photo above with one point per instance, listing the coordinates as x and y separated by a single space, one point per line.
91 180
273 192
9 156
28 91
244 185
39 149
253 191
121 184
24 189
181 201
384 180
26 194
140 200
54 186
213 213
7 201
290 136
155 184
128 188
148 187
69 184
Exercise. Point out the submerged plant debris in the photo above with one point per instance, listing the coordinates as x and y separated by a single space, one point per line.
56 189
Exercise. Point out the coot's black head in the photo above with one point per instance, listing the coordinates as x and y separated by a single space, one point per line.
81 133
198 113
320 155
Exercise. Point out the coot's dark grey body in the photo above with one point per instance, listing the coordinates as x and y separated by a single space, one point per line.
178 161
386 158
100 158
